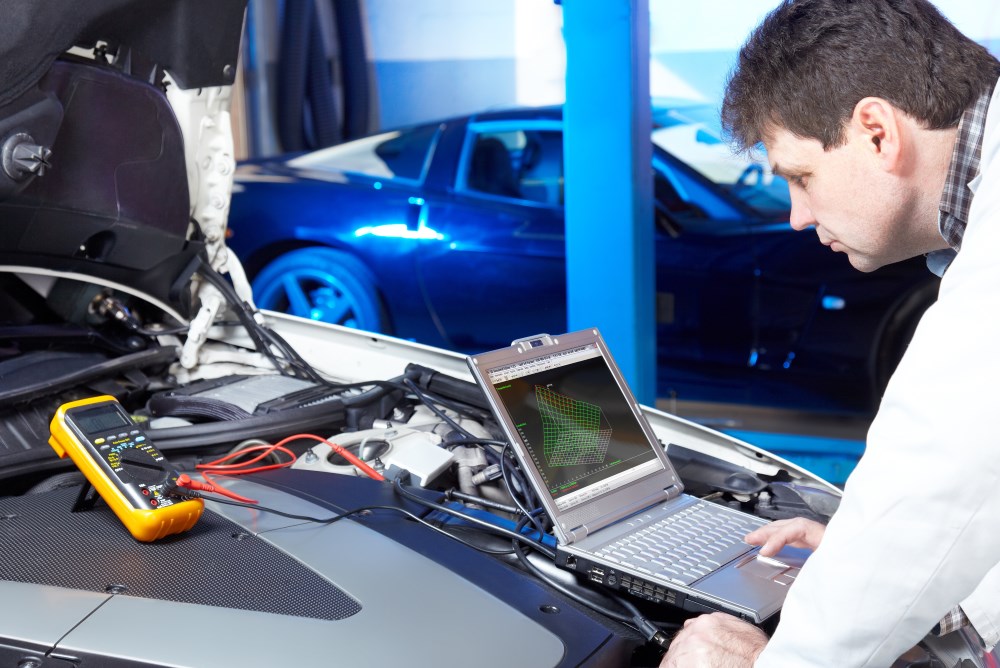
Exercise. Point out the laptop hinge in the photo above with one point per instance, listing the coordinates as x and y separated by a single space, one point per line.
578 533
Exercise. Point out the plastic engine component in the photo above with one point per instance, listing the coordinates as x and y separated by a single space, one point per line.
415 451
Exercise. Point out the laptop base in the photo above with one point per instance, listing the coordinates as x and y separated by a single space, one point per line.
647 589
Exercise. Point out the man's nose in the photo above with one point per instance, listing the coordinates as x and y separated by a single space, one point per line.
801 216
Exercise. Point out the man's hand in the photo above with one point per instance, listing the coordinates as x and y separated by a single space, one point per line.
717 640
797 532
720 640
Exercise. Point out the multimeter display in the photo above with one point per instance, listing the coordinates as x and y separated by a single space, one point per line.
118 459
100 419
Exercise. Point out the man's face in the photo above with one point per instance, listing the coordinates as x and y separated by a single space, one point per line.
855 207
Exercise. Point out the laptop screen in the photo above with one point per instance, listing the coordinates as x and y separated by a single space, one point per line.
576 424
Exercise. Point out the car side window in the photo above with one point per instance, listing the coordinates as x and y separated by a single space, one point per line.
406 154
400 154
521 164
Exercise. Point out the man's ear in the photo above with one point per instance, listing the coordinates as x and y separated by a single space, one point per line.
877 124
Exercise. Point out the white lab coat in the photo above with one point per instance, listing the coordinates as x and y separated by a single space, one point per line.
918 529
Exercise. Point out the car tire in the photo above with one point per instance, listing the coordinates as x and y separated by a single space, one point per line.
321 284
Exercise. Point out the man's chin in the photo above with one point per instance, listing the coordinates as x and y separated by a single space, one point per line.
862 263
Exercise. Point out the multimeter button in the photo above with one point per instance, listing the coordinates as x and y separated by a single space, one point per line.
134 431
98 441
140 439
122 435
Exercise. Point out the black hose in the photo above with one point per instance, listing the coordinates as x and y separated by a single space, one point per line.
354 73
487 503
292 62
323 110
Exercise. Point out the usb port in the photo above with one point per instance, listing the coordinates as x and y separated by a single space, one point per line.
597 574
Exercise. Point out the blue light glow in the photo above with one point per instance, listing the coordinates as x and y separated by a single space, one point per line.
399 231
834 303
377 185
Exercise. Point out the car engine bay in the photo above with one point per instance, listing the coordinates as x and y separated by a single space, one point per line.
367 427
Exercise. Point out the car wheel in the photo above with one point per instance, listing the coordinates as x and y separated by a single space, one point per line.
321 284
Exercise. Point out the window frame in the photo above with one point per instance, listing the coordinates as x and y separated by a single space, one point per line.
476 128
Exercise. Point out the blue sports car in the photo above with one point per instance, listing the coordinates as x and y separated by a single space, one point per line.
437 232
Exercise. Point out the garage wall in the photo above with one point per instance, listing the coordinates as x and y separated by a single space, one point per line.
435 58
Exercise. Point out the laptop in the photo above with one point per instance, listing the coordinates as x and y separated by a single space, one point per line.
620 515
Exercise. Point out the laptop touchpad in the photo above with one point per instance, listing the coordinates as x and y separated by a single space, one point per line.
782 568
762 567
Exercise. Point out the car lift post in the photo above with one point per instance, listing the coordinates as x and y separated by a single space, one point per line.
609 182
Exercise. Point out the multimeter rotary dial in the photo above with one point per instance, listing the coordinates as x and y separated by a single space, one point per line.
139 467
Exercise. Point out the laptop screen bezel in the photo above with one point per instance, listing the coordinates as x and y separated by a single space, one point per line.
593 514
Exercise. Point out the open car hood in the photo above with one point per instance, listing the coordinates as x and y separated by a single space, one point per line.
96 172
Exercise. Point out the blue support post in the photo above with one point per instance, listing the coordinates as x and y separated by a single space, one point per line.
609 182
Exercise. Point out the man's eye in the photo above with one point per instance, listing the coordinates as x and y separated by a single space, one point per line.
800 181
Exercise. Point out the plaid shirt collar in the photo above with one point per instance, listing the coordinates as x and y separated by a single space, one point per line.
953 211
953 621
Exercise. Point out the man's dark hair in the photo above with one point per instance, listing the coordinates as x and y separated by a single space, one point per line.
810 61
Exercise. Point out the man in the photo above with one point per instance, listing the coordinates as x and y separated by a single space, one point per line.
876 113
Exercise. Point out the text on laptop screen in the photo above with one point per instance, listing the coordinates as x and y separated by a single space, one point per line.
577 425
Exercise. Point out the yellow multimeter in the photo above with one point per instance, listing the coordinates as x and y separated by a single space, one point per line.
117 458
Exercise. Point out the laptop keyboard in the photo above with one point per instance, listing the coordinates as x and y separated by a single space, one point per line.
686 545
